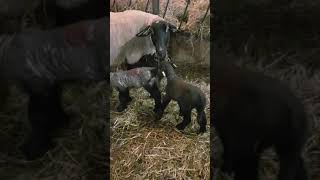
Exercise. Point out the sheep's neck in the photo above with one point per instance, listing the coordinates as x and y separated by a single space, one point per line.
170 73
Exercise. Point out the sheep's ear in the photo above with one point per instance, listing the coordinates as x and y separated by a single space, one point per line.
145 32
172 28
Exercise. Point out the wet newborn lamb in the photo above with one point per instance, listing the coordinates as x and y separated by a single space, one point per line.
187 96
134 78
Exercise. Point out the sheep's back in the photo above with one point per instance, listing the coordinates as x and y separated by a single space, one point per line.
178 89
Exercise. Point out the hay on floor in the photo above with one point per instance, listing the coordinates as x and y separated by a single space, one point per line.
143 149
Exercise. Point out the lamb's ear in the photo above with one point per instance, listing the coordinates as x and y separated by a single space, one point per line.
172 28
145 32
174 65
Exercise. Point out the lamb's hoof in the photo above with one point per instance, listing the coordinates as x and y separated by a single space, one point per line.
35 148
159 114
180 126
129 99
157 109
227 169
62 120
202 130
121 108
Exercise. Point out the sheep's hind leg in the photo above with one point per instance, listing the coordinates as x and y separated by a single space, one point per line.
124 99
250 170
291 163
202 120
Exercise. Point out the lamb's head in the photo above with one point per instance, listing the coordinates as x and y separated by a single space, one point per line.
160 35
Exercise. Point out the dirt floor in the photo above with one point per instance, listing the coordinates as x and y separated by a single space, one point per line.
80 151
143 149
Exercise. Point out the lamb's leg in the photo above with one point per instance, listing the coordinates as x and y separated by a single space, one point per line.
236 152
165 102
4 92
56 110
124 99
301 171
186 118
156 95
291 163
202 120
180 112
250 170
44 117
38 141
227 156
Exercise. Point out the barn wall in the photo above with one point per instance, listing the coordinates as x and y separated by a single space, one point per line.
186 48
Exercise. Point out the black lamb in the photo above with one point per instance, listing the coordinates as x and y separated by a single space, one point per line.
187 96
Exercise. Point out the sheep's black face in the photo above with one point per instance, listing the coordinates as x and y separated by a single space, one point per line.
160 35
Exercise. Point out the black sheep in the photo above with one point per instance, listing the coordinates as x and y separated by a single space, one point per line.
253 112
187 96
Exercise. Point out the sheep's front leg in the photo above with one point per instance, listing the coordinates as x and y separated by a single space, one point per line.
124 99
45 116
156 95
166 101
57 113
180 112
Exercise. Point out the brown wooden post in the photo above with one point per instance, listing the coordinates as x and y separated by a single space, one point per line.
165 10
156 7
147 6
